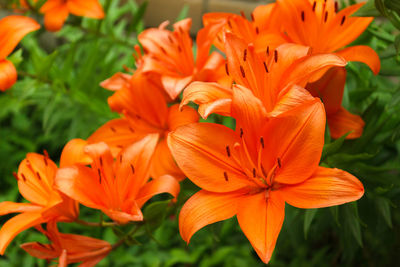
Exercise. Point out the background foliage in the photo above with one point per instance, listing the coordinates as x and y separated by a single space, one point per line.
58 97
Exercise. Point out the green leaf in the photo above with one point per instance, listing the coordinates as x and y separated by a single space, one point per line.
383 205
333 147
393 5
154 214
352 221
184 12
381 7
308 218
16 57
367 10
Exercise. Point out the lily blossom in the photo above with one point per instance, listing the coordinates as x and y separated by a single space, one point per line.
120 187
68 248
276 77
149 115
170 55
36 180
12 30
56 12
254 182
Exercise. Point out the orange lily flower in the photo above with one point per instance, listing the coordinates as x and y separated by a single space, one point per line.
68 248
35 177
254 182
275 77
170 55
118 188
150 114
56 12
12 30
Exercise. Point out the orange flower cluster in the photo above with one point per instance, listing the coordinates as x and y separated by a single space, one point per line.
277 68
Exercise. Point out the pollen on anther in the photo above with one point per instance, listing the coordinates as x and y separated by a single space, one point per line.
99 173
244 55
336 7
279 162
267 51
262 142
229 24
101 162
228 151
45 160
254 172
226 69
132 169
120 158
242 14
314 5
226 176
242 71
257 30
265 67
343 19
15 176
241 132
276 56
302 16
326 16
252 16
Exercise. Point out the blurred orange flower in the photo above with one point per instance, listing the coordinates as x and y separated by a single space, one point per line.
56 11
118 188
254 181
12 30
68 248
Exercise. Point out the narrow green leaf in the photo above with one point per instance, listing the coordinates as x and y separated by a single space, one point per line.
367 10
308 218
383 205
352 222
184 12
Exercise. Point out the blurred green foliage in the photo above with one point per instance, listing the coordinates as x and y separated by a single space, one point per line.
58 98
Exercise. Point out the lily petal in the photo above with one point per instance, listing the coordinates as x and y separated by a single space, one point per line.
261 217
87 8
116 82
12 30
181 116
205 208
211 98
364 54
16 225
205 161
163 184
342 122
73 153
326 187
8 75
56 13
8 207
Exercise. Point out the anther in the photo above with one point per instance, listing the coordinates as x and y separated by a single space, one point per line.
132 169
265 67
262 141
40 244
241 132
244 55
15 176
46 156
257 30
45 160
254 173
267 51
314 5
228 151
302 16
343 19
229 24
242 14
23 177
252 16
113 129
242 71
179 48
336 7
326 16
38 175
226 176
279 162
226 69
276 56
101 162
120 158
163 50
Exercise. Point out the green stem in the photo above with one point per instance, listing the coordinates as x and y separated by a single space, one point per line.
130 233
93 224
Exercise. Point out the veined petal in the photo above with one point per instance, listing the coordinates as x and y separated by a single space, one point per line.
73 153
12 30
250 114
298 132
364 54
205 208
8 74
293 98
116 82
16 225
162 184
175 84
8 207
211 98
261 217
117 133
181 116
330 88
342 122
326 187
87 8
201 151
55 17
163 163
